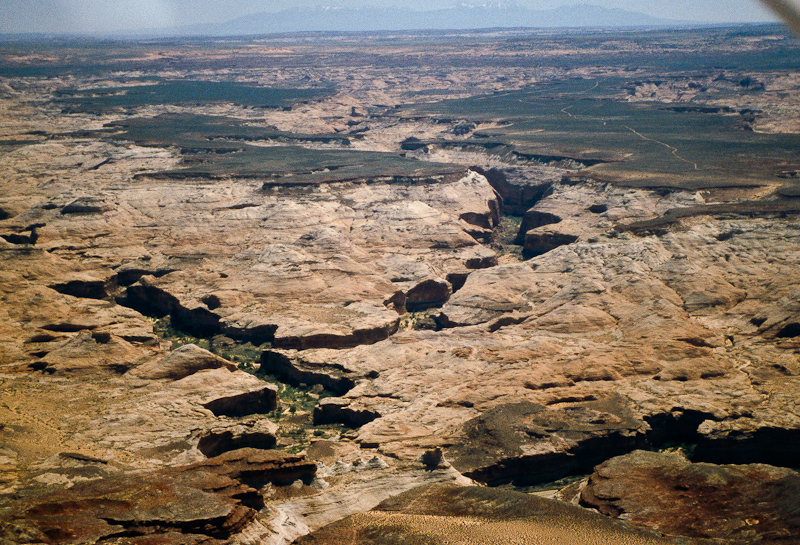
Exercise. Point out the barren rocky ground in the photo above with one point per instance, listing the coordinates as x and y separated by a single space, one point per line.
226 321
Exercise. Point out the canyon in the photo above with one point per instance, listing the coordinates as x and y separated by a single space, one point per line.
397 287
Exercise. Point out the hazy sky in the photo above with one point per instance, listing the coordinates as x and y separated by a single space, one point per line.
102 16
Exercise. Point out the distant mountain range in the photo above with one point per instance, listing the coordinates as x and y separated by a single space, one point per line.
459 17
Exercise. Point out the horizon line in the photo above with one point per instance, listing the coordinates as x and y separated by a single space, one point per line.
159 34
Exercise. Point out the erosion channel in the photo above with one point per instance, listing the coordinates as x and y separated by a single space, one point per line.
401 288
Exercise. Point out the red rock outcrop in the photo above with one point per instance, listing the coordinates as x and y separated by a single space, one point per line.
710 503
207 502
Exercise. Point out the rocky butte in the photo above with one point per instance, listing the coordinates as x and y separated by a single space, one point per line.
414 289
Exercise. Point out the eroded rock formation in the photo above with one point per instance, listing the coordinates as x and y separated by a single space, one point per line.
206 502
634 311
666 492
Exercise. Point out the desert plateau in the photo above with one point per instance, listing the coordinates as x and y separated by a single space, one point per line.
504 286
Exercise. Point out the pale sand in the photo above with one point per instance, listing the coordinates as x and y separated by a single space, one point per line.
426 529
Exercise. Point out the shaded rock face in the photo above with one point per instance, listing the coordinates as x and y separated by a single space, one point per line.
478 258
336 410
527 443
21 238
207 502
87 205
88 286
256 467
297 367
748 444
728 503
261 434
533 219
430 293
520 187
538 243
227 392
148 298
439 514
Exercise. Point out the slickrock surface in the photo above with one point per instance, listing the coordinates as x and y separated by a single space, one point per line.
427 304
675 332
349 483
302 268
716 504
